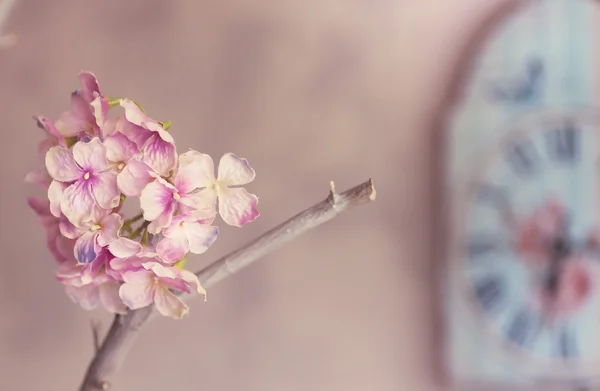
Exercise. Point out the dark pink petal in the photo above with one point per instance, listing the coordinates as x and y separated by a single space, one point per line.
160 155
235 171
89 87
78 202
120 149
200 237
86 249
61 165
105 189
195 170
91 156
109 297
61 247
133 132
40 206
111 225
173 249
134 177
237 207
55 193
78 119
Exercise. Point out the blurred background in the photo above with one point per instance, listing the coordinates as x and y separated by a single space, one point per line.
307 91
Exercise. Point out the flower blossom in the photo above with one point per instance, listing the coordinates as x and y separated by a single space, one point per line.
91 180
61 247
156 144
236 206
160 198
185 234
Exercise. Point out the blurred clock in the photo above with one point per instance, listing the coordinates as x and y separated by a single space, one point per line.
521 293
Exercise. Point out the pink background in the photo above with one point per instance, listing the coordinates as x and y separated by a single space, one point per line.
308 91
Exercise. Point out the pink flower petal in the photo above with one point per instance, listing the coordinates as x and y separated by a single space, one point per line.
41 206
159 154
120 149
61 247
61 165
237 207
124 247
77 202
110 299
156 198
134 177
86 296
192 280
39 177
105 189
89 86
78 119
172 249
162 221
91 156
202 204
137 295
68 230
138 134
55 193
111 225
168 304
200 237
162 271
195 170
86 250
235 171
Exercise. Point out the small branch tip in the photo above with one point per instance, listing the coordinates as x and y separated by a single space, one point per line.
373 194
332 186
105 385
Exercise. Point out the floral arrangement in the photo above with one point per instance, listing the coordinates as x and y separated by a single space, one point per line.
93 164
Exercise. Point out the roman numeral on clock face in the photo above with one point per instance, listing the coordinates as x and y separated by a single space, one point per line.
563 144
523 158
524 327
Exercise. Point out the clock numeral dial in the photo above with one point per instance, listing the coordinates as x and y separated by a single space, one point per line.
563 143
524 327
523 158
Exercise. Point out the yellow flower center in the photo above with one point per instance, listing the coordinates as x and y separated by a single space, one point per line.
121 166
95 227
176 195
86 176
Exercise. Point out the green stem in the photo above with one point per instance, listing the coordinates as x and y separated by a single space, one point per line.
112 102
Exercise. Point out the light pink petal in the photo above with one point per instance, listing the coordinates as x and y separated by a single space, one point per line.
86 250
68 230
78 119
192 280
137 295
120 149
162 271
133 132
124 247
168 304
175 229
162 221
133 113
61 165
91 155
237 207
195 170
172 249
61 247
134 177
159 154
202 203
55 193
105 189
109 297
48 126
39 177
111 225
138 276
77 202
200 237
89 86
235 171
156 198
100 109
86 296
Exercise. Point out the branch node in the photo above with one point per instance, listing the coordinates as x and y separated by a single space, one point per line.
105 385
373 194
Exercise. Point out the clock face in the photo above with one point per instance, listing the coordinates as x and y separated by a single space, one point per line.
527 244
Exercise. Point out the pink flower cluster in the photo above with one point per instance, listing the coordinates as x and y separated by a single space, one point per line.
93 164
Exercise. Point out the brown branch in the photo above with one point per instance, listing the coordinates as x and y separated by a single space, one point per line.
125 328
